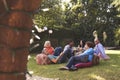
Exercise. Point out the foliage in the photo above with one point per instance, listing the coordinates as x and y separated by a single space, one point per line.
117 36
96 15
107 70
49 14
117 4
81 17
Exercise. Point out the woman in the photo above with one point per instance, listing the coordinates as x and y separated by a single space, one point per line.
42 58
80 58
48 49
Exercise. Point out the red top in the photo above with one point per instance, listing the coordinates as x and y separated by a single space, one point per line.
49 50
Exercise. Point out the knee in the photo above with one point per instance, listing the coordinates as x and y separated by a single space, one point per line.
73 57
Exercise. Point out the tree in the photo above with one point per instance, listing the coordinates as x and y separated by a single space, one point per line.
81 17
89 15
50 14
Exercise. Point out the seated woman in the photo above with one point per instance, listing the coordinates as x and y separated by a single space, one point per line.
61 56
99 50
80 58
48 49
42 58
80 48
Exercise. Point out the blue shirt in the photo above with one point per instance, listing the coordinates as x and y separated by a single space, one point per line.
88 52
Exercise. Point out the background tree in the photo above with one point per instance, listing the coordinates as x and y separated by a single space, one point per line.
49 14
81 18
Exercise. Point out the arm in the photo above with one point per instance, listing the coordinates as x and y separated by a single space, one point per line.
101 49
55 60
87 52
65 48
84 53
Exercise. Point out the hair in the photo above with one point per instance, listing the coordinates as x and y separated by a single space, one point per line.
46 42
96 40
69 41
90 44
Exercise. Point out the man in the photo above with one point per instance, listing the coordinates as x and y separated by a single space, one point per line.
64 55
99 50
80 58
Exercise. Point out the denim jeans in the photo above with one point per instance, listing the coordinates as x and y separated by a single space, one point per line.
74 60
67 55
57 51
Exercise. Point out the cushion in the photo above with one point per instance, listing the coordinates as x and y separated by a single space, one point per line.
82 65
95 60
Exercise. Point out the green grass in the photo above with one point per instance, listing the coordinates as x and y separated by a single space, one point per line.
106 70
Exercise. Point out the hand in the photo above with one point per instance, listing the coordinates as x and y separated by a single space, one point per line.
80 49
81 43
61 53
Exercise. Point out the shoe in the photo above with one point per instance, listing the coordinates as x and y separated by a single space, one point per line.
73 68
64 68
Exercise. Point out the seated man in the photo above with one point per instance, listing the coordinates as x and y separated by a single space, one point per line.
64 55
80 58
99 50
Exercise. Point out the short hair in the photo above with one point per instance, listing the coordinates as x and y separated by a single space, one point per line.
46 43
96 39
90 44
69 41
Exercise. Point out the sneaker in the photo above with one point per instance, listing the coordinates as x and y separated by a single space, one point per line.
64 68
73 68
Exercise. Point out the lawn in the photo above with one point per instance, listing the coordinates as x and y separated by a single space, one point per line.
106 70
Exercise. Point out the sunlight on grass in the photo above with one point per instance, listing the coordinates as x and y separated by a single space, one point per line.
96 77
106 70
115 65
112 51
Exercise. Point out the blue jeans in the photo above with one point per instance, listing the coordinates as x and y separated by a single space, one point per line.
74 60
57 51
67 55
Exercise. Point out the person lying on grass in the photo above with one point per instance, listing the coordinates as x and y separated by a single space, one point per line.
89 51
64 55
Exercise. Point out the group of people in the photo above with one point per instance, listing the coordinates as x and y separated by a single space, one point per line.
59 55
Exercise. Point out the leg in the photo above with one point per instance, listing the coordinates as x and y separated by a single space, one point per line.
73 60
53 58
58 50
66 55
